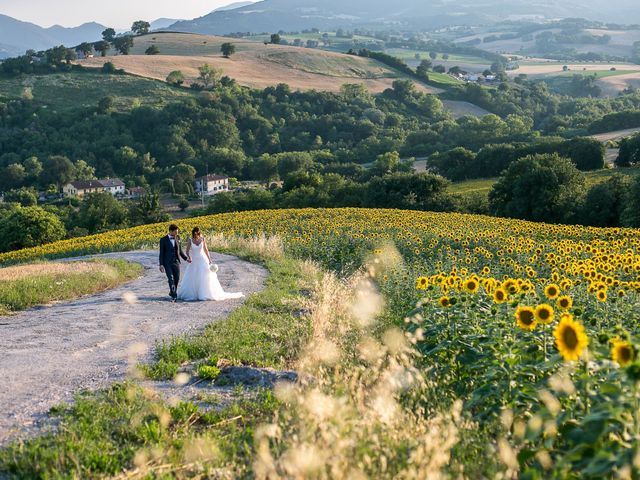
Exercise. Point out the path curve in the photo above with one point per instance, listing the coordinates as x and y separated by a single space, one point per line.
49 353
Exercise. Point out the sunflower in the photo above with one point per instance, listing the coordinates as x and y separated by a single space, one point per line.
500 295
544 314
552 291
601 295
444 302
622 352
570 338
564 302
471 285
526 318
422 283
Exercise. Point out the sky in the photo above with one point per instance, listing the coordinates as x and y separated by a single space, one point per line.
113 13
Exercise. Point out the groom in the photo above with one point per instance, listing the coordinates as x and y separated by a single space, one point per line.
170 254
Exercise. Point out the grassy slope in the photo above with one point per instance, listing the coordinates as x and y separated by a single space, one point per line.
254 64
67 91
484 185
23 287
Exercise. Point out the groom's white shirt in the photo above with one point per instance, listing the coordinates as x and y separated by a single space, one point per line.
172 240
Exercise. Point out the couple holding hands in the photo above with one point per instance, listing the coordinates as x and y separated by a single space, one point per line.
200 281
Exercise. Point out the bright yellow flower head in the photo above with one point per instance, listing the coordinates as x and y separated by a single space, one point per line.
571 338
422 283
544 314
500 295
552 291
622 352
564 302
526 318
471 285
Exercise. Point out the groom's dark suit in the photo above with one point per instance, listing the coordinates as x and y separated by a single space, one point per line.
170 254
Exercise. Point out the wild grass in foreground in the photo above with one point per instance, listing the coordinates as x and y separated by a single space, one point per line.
127 428
24 286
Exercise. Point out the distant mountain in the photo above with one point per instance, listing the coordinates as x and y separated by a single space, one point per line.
274 15
16 36
162 23
233 6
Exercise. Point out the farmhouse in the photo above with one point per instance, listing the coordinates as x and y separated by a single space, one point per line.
80 188
212 184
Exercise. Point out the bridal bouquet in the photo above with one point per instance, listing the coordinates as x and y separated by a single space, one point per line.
213 267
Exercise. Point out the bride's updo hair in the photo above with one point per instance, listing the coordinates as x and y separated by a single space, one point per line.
195 233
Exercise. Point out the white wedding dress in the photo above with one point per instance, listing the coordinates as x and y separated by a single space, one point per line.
199 282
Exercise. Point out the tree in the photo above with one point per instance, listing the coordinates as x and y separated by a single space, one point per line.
175 78
445 56
109 35
605 202
23 196
140 27
227 49
587 153
105 104
538 187
85 48
275 39
70 55
265 168
209 75
84 171
57 170
33 168
433 55
102 47
30 227
456 164
147 210
12 176
183 204
423 69
100 212
123 44
629 152
152 50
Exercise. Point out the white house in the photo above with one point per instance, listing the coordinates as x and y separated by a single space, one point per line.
212 184
80 188
114 186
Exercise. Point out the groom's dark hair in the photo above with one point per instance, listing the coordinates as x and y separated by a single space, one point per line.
173 227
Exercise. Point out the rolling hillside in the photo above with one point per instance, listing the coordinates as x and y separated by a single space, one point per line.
275 15
254 65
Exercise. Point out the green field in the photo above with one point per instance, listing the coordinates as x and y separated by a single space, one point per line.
67 91
484 185
409 54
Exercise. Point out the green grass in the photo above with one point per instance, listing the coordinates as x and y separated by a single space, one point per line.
484 185
69 91
103 434
266 331
443 79
41 288
109 432
409 54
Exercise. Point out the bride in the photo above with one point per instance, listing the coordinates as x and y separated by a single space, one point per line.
200 282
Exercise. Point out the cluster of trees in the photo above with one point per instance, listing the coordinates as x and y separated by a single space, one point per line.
388 183
549 188
25 224
550 112
490 161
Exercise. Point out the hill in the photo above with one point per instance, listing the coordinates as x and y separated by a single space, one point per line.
16 36
254 65
275 15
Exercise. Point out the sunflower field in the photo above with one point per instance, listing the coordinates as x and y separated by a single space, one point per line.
533 326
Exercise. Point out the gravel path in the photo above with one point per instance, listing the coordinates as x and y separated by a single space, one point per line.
49 353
